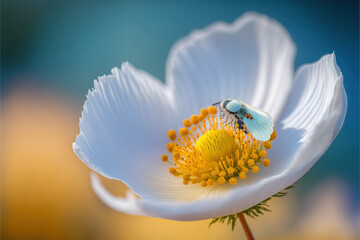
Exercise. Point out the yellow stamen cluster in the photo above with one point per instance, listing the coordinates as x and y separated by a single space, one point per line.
208 152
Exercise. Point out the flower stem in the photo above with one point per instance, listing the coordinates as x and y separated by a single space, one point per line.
245 226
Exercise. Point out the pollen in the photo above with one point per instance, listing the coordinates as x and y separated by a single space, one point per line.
172 135
251 162
254 156
267 145
203 183
187 123
273 136
255 169
232 181
208 152
194 119
262 153
242 176
266 162
212 110
164 158
172 170
221 180
170 147
183 132
203 113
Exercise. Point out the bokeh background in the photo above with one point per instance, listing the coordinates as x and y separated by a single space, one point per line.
51 51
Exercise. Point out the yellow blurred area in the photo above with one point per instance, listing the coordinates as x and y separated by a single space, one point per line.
46 192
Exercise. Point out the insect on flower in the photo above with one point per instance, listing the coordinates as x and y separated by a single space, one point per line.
256 121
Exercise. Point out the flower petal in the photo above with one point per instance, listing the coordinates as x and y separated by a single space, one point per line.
250 60
313 116
127 205
123 128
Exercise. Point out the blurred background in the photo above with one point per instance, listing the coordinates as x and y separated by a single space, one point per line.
51 51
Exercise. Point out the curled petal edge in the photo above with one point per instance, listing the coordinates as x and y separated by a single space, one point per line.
128 205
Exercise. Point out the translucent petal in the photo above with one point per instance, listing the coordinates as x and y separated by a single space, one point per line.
123 128
250 60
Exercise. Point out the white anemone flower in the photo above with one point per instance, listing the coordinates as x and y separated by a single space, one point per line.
127 115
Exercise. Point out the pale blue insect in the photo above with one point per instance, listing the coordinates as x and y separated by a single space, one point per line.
256 121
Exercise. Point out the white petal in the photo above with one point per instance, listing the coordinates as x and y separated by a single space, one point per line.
127 205
314 114
296 149
123 128
250 60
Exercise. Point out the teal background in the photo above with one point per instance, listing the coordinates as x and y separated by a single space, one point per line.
65 45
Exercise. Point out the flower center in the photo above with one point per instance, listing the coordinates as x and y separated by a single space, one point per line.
209 152
215 144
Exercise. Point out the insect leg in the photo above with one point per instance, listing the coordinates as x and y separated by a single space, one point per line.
217 103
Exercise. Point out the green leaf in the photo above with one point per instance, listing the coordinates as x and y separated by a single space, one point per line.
253 212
